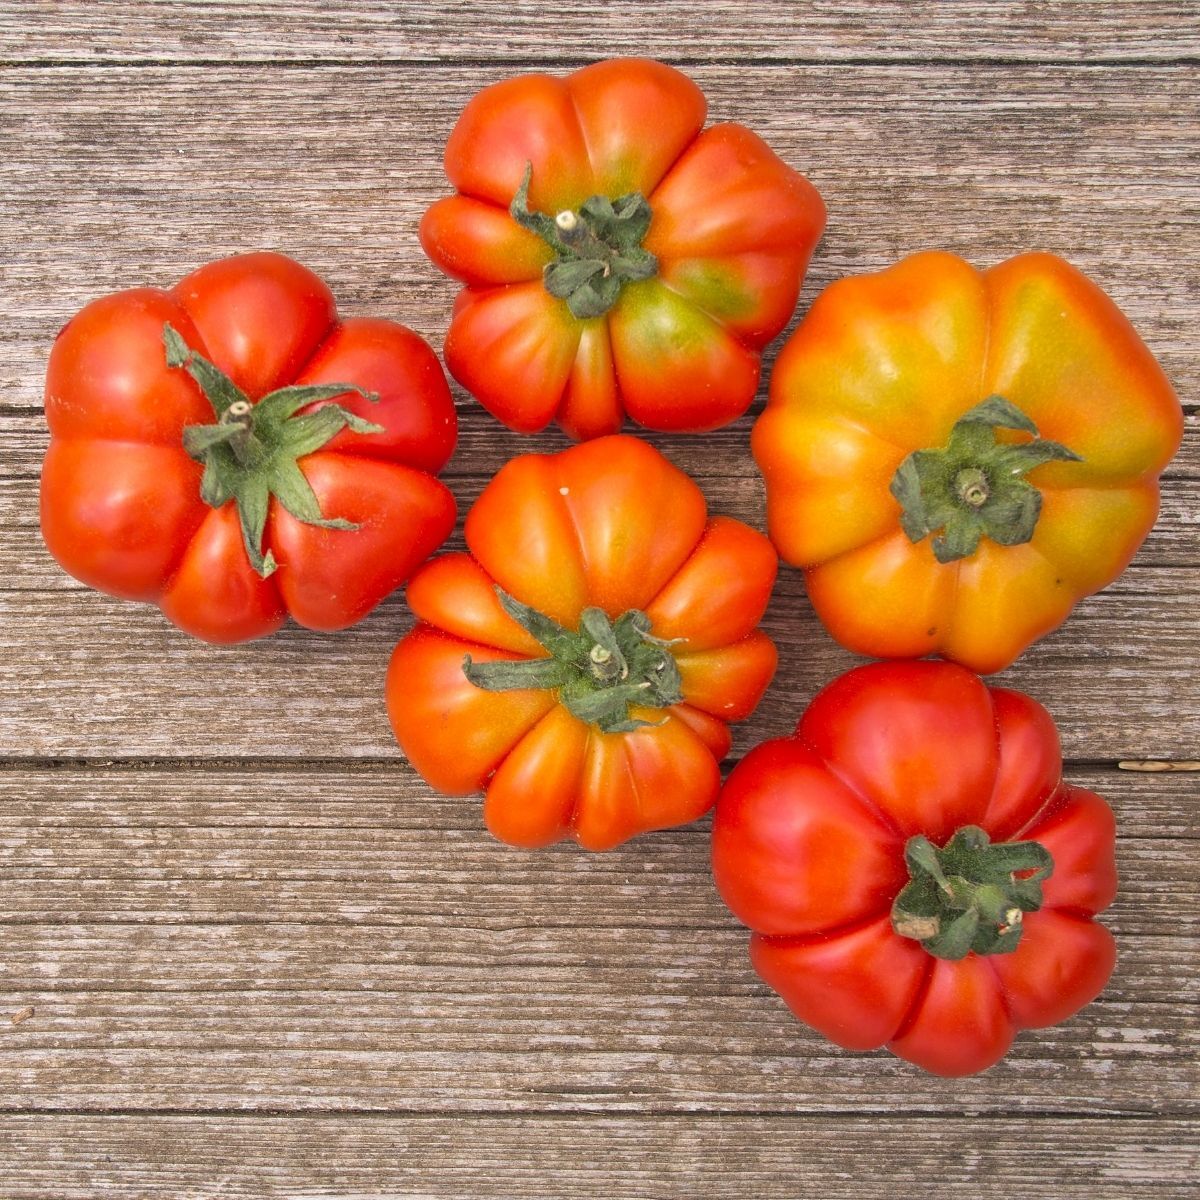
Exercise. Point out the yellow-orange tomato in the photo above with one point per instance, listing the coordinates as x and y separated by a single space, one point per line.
956 457
582 663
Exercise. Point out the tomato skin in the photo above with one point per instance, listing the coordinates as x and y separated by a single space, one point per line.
609 524
732 231
119 515
882 366
261 317
808 851
120 497
215 593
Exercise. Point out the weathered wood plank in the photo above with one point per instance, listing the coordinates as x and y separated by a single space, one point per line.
362 842
372 845
123 176
360 795
615 1020
503 30
736 1158
332 938
620 967
84 675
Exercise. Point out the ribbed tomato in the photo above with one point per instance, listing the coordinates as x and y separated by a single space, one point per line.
915 871
956 457
583 662
232 452
618 257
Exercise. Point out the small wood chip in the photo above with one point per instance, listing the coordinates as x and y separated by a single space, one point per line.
23 1015
1158 765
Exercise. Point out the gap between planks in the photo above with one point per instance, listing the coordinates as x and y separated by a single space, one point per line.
708 1115
268 764
574 63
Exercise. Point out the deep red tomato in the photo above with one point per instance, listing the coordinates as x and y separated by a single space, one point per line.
916 873
232 452
617 258
582 663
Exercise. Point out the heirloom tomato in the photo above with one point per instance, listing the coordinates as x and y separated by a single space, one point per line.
617 256
234 453
956 457
915 871
581 664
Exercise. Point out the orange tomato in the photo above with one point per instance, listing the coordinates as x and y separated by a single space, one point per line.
583 662
920 532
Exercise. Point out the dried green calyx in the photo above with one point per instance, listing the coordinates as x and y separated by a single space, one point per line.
250 453
599 671
974 486
971 895
598 247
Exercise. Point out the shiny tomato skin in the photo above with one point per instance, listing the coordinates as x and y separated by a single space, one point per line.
403 516
260 316
215 593
119 515
396 365
732 230
609 524
120 498
108 379
882 366
808 851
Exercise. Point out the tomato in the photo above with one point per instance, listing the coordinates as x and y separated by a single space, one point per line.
955 457
915 871
581 664
617 257
232 452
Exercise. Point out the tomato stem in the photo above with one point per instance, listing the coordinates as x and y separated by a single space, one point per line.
600 670
251 452
974 486
598 249
971 895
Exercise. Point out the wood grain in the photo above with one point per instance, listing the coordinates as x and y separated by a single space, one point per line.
369 844
523 31
84 675
244 952
1030 159
488 1157
328 938
144 173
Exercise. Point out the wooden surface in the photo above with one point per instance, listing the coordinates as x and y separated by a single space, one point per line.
245 952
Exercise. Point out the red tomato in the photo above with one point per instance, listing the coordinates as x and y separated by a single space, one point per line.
618 258
915 871
582 662
217 477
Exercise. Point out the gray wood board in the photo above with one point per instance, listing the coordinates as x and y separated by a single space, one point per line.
490 1157
83 676
245 952
121 176
523 31
316 938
